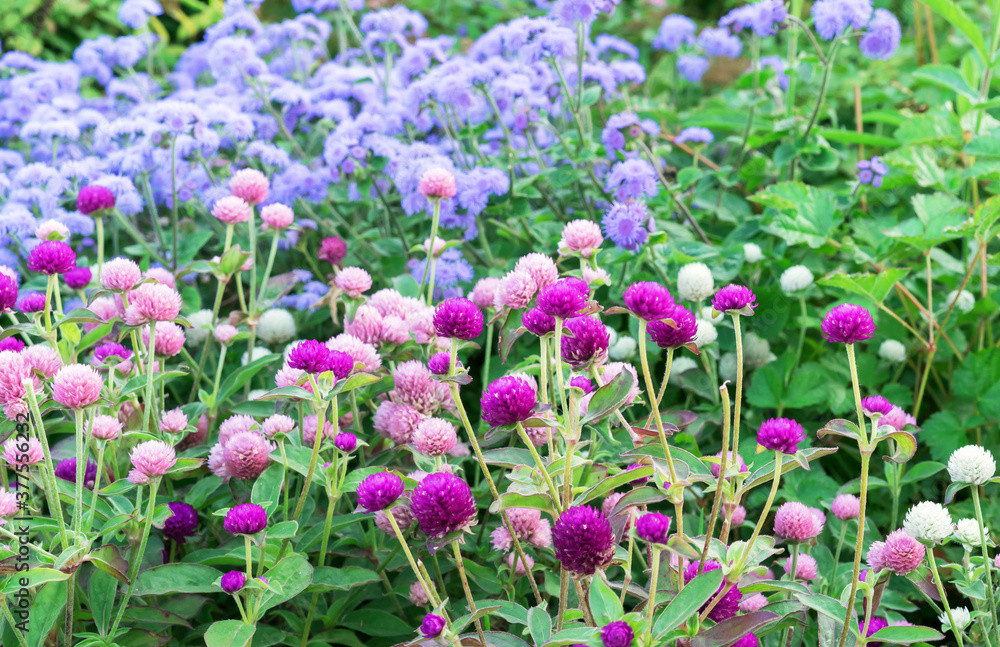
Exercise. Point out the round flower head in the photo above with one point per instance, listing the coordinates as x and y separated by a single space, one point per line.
751 253
581 237
846 506
105 427
485 292
249 185
278 423
695 282
52 230
729 604
738 516
458 318
795 522
962 618
892 351
540 267
379 490
876 406
346 442
162 275
94 199
625 223
583 540
435 437
233 581
173 421
537 322
666 336
341 364
588 344
52 257
396 421
617 634
332 250
225 333
796 279
563 299
962 301
152 302
246 455
583 383
523 567
16 454
245 519
120 274
928 521
12 344
360 352
432 626
848 324
169 338
732 458
77 386
151 458
696 135
66 470
354 281
310 356
972 464
437 183
440 363
415 387
737 299
653 527
875 624
182 523
8 504
508 400
806 569
898 419
515 290
899 553
77 278
43 359
417 594
8 292
276 326
881 38
232 210
781 435
32 303
752 603
442 503
527 525
277 216
648 300
967 533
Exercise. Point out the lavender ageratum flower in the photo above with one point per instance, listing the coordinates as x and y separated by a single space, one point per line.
537 322
458 318
136 13
589 341
881 39
233 581
625 224
653 527
563 299
761 17
432 626
735 299
675 30
692 67
848 324
781 435
310 356
52 257
583 540
617 634
632 178
508 400
182 523
379 490
649 300
245 519
695 134
719 42
571 12
666 336
832 17
442 503
872 171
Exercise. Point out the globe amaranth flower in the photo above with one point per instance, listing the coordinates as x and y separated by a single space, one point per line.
32 303
485 291
77 278
848 324
875 624
247 454
151 459
537 322
120 274
152 302
872 171
581 237
94 199
354 281
250 185
346 442
245 519
379 490
277 216
732 458
182 523
104 427
8 292
66 470
875 406
666 336
563 299
77 386
437 183
458 318
311 356
435 437
233 581
16 453
806 569
796 522
333 250
972 464
588 344
967 533
653 527
527 525
508 400
928 521
846 506
737 299
232 210
695 282
617 634
795 279
625 223
728 605
583 383
173 421
649 300
442 503
432 626
899 553
12 344
962 618
781 435
52 257
583 540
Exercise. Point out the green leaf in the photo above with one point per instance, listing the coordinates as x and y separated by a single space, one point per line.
327 578
853 137
873 286
570 636
609 397
950 11
540 624
921 472
229 633
800 213
905 445
244 374
728 631
294 573
267 488
604 603
376 623
46 608
177 578
605 486
906 635
943 433
31 578
764 474
101 594
694 594
949 77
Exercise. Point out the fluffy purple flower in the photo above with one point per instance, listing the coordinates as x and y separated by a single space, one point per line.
182 523
582 382
94 198
872 171
11 343
625 224
735 298
346 442
52 257
311 356
77 278
537 322
589 341
617 634
508 400
113 350
675 30
730 602
379 490
340 364
245 519
440 363
832 17
695 134
432 626
562 299
649 300
876 405
881 39
781 435
761 17
8 292
875 624
653 527
692 67
442 503
631 179
233 582
458 318
848 324
583 540
717 41
666 336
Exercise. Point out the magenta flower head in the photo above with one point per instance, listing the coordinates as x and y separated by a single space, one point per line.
582 382
245 519
875 624
246 454
583 540
111 353
442 503
666 336
182 523
563 299
432 626
332 250
250 185
346 442
781 435
588 344
458 318
735 299
795 522
846 506
32 303
653 527
848 324
77 278
749 640
617 634
66 470
437 183
77 386
341 364
8 292
94 199
537 322
730 602
379 490
311 356
876 406
649 300
233 582
508 400
12 344
52 257
440 363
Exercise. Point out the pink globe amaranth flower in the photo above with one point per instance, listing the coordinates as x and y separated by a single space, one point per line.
508 400
162 275
394 330
734 298
848 324
401 513
900 553
437 249
608 509
52 230
397 421
583 383
120 274
588 343
738 516
437 183
232 210
332 250
649 301
434 437
731 458
8 292
458 318
653 527
417 594
105 427
898 419
515 290
581 237
277 216
288 376
666 336
249 185
93 199
729 604
537 322
528 527
414 385
16 410
360 351
246 455
224 333
846 506
583 540
595 277
152 302
20 452
182 523
421 324
781 434
380 490
442 503
752 603
354 281
217 462
539 267
795 522
77 278
617 634
44 359
8 504
152 458
390 302
173 421
564 298
169 338
77 386
522 567
235 424
876 405
52 257
14 370
367 325
245 519
806 568
278 423
485 291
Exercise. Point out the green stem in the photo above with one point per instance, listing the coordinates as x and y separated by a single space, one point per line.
81 464
268 267
134 567
944 596
48 303
52 490
553 492
858 546
97 486
431 256
12 623
650 390
559 366
147 409
426 583
468 591
651 603
738 405
786 638
247 544
320 419
987 565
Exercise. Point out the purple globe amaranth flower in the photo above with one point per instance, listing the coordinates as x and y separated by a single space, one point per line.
94 199
583 540
649 300
32 303
332 250
11 343
77 278
653 527
52 257
311 356
537 322
876 405
875 625
346 442
66 470
563 299
729 604
749 640
233 581
340 364
379 490
588 343
583 383
617 634
640 481
245 519
508 400
432 626
458 318
442 503
848 324
440 363
8 292
781 435
737 299
666 336
182 523
113 350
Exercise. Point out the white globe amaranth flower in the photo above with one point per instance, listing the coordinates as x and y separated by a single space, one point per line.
892 351
276 326
708 313
201 323
967 533
756 351
964 301
727 367
928 521
972 464
706 333
962 619
796 278
680 366
258 352
695 282
752 252
623 348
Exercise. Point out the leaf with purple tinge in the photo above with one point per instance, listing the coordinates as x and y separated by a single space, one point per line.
731 630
